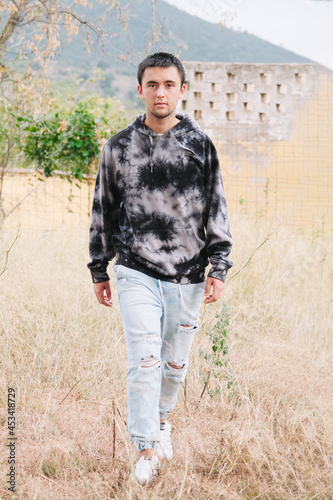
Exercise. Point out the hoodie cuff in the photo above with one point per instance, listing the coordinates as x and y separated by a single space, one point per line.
219 274
99 277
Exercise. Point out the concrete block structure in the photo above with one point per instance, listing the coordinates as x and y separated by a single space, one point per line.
273 126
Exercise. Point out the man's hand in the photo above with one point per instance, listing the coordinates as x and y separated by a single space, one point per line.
103 293
217 286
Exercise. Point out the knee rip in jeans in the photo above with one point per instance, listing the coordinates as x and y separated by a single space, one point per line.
174 366
187 328
149 363
175 371
153 338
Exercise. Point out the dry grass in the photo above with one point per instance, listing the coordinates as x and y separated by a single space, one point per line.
268 436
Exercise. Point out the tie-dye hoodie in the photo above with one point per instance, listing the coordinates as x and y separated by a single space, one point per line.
159 205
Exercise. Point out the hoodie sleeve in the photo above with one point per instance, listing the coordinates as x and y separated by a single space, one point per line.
218 238
104 217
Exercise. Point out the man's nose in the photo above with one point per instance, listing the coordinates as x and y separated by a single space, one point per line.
160 91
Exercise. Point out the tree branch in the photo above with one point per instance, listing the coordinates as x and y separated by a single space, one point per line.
249 259
21 201
5 267
12 24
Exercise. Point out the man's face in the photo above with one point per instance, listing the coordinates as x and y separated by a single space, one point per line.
161 89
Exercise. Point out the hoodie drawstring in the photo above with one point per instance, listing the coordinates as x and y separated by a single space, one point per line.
151 152
181 297
180 294
159 282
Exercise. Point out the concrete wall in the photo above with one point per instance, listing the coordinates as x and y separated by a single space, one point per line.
273 127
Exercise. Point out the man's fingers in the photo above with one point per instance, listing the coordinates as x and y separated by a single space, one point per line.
107 293
208 287
103 293
213 296
208 294
105 300
102 298
209 299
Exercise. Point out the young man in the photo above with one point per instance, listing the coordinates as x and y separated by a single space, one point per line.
159 208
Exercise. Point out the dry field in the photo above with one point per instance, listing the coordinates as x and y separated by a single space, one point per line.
267 433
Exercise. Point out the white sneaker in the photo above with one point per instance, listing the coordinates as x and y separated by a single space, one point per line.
146 469
164 446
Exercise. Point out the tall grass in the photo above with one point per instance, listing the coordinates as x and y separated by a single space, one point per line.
267 433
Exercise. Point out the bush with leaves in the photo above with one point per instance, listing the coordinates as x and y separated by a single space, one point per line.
67 143
67 139
70 142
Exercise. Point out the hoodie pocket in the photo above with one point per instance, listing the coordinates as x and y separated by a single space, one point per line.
161 248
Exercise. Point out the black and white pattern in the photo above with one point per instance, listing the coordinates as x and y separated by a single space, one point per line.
159 204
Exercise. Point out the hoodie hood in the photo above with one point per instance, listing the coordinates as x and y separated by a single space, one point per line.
179 133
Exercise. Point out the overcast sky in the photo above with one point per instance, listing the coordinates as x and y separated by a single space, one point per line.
303 26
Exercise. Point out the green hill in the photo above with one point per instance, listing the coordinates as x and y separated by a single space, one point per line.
207 41
191 37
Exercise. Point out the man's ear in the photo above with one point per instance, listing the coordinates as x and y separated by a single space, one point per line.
182 90
140 91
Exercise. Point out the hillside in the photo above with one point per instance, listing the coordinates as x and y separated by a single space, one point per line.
204 41
191 37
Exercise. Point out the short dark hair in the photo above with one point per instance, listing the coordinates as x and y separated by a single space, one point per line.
161 60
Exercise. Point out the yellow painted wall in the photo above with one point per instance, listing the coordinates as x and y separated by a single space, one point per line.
49 205
296 179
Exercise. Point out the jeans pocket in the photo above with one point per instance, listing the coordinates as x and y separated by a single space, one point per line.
119 273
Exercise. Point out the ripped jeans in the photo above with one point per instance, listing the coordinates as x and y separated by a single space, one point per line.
158 346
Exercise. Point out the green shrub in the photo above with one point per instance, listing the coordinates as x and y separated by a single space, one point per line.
66 142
